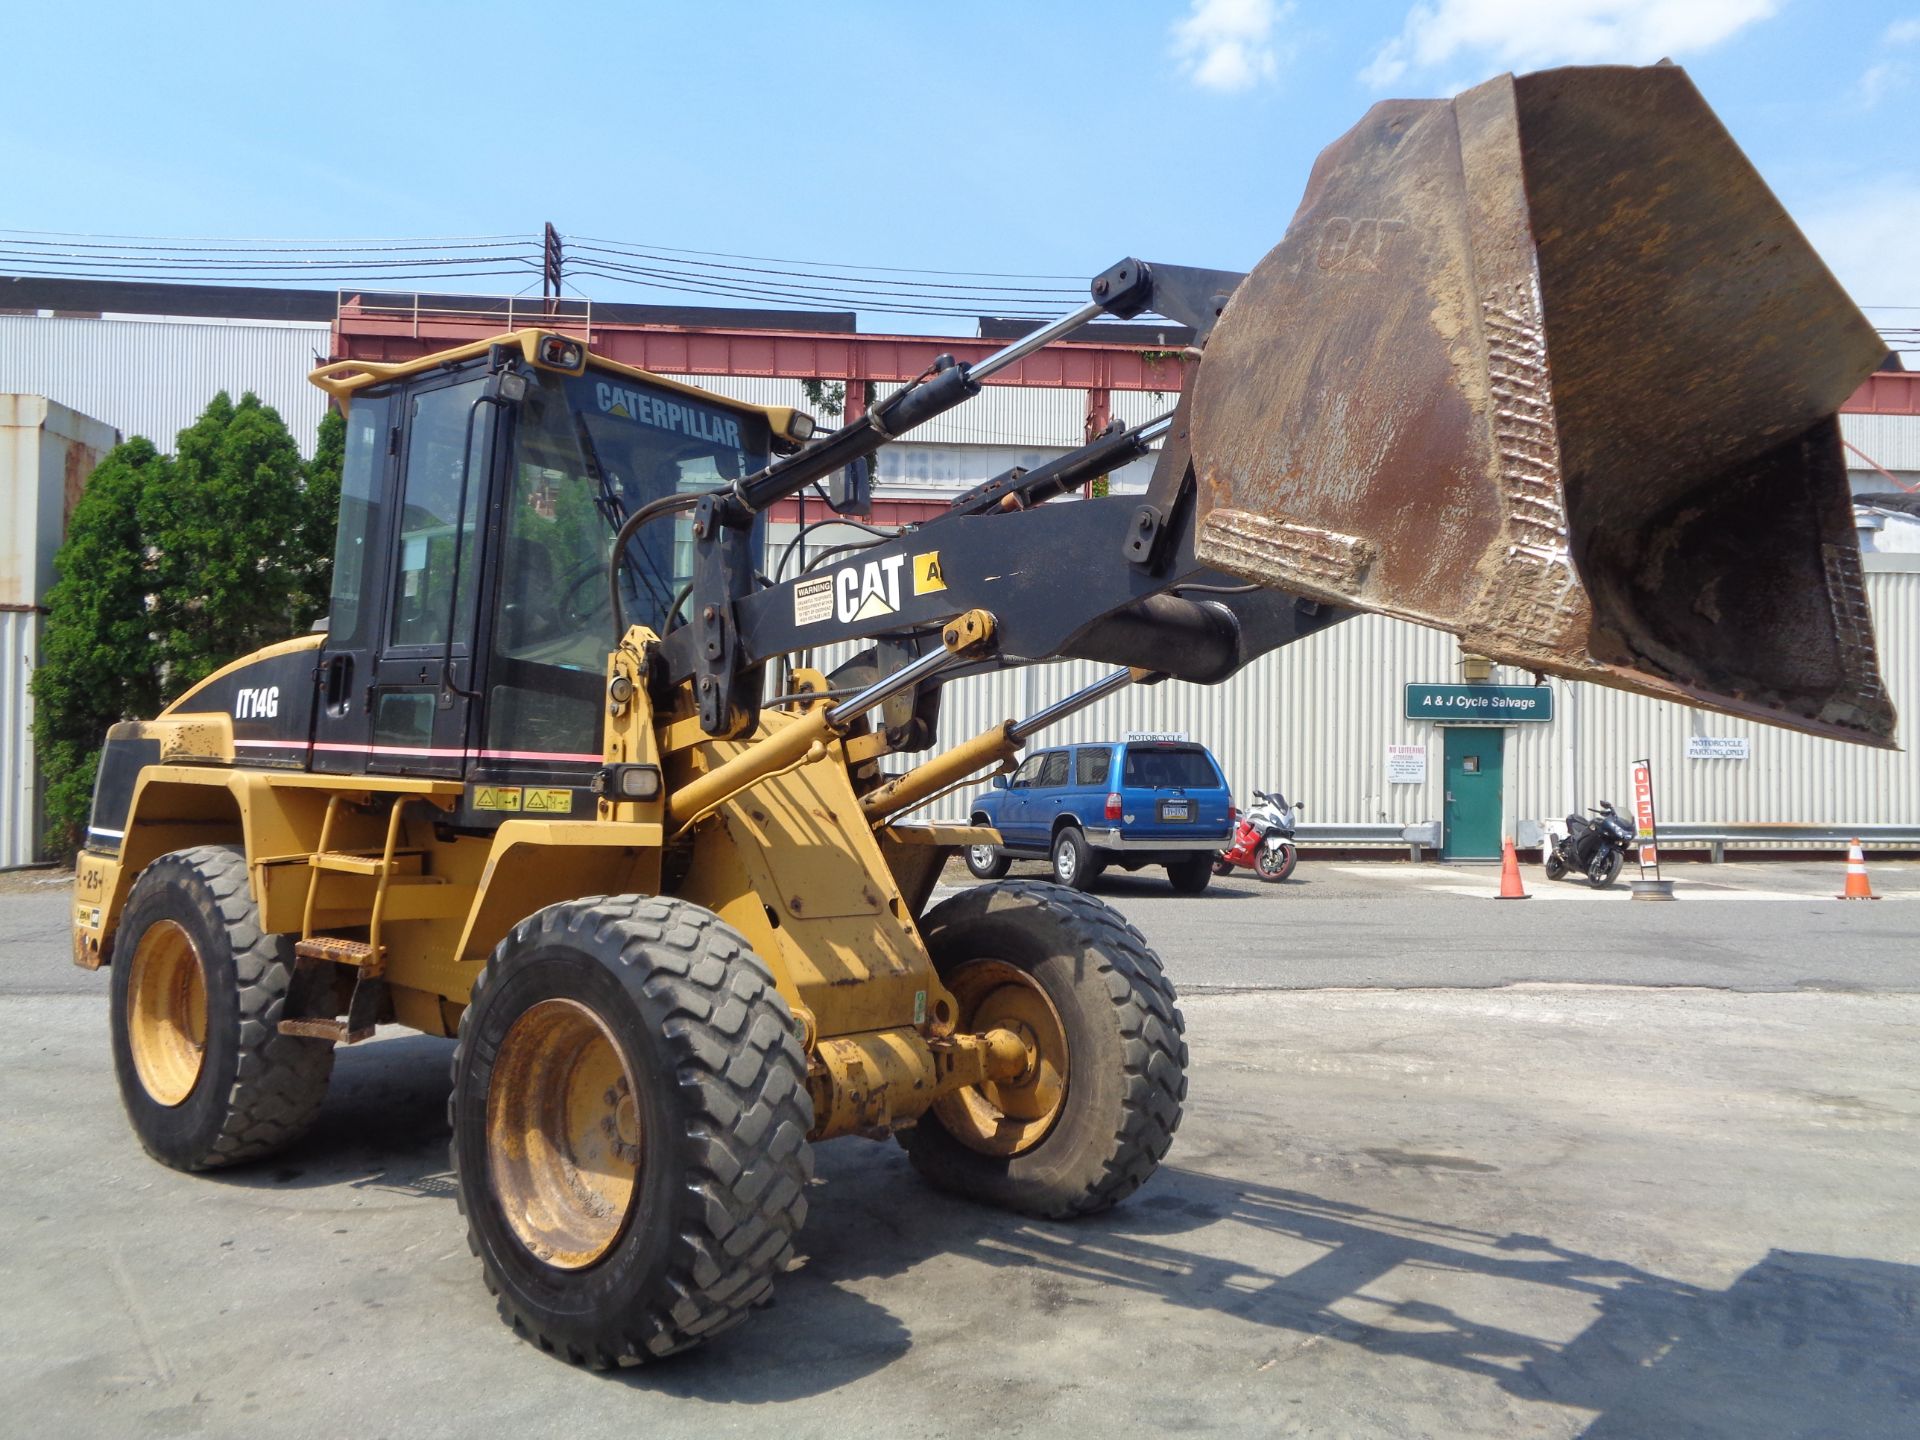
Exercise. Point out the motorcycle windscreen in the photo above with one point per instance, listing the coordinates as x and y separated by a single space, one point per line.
1549 367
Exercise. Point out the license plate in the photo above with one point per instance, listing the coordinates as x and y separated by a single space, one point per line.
1176 810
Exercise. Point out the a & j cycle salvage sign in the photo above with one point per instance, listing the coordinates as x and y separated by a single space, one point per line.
1480 704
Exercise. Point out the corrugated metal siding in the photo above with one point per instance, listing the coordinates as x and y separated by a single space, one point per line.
153 378
19 783
999 415
1314 720
1892 440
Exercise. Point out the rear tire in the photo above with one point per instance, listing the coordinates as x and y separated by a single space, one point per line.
1073 863
987 862
1556 867
197 993
629 1117
1190 877
1126 1061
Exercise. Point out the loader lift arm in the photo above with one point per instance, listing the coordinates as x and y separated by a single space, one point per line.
1117 600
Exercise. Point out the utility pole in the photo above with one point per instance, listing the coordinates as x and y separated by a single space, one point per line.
550 264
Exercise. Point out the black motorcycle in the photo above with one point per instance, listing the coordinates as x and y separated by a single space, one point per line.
1595 848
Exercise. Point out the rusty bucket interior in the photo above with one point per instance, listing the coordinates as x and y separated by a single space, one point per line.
1548 366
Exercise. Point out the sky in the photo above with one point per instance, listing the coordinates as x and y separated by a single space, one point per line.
1021 139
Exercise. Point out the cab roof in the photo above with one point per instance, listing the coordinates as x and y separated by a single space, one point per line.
341 378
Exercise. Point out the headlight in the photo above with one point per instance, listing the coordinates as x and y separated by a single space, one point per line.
557 352
799 427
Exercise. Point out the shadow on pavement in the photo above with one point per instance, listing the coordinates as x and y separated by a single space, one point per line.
1799 1345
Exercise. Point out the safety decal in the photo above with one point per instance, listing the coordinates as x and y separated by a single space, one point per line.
813 600
549 802
496 797
927 575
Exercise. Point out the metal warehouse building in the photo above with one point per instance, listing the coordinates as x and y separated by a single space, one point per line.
1326 720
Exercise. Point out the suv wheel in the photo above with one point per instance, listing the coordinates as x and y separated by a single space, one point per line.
1190 877
1073 862
986 862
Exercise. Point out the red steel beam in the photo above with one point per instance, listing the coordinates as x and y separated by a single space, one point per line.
1887 392
360 334
784 354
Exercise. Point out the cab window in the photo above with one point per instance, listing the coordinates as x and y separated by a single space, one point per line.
1054 772
1029 770
445 467
588 451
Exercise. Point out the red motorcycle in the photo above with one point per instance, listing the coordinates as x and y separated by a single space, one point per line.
1262 840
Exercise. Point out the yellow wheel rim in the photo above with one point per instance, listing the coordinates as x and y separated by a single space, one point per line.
167 1012
1007 1117
563 1134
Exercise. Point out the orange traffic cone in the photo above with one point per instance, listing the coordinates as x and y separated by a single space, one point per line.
1857 886
1510 887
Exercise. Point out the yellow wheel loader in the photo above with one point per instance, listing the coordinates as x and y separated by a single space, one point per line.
1545 365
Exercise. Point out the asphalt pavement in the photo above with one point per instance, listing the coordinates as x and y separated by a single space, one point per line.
1754 925
1412 1196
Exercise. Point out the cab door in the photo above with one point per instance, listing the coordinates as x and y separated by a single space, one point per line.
398 678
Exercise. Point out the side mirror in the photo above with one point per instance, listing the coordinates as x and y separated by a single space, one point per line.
1299 807
850 491
999 782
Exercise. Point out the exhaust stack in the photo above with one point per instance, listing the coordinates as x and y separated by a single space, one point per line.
1547 366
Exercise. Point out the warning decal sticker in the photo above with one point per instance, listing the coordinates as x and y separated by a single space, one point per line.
813 600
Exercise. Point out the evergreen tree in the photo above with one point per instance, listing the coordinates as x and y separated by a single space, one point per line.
321 503
226 525
98 660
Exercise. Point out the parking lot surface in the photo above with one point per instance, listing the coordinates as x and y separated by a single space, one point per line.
1568 1167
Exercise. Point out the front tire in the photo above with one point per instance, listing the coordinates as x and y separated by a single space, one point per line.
1605 868
987 862
629 1117
1275 863
1120 1085
197 993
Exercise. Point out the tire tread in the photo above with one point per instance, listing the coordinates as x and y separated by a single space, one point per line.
1152 1030
737 1060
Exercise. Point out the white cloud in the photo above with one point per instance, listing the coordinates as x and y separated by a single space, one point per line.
1866 237
1528 34
1903 32
1229 45
1881 80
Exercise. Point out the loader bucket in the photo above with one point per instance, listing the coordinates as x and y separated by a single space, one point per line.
1548 366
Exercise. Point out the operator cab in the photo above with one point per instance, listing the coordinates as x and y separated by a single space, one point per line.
480 494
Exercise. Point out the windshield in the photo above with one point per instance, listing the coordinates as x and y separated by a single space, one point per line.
588 451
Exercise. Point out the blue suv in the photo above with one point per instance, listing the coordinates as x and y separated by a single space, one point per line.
1127 803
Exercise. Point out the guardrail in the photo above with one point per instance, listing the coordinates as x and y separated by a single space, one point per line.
1717 837
1423 836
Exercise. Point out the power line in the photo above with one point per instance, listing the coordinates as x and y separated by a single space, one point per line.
890 269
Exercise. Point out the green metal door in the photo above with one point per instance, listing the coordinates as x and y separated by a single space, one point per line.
1473 792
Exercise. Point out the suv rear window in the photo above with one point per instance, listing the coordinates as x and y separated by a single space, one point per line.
1090 766
1169 767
